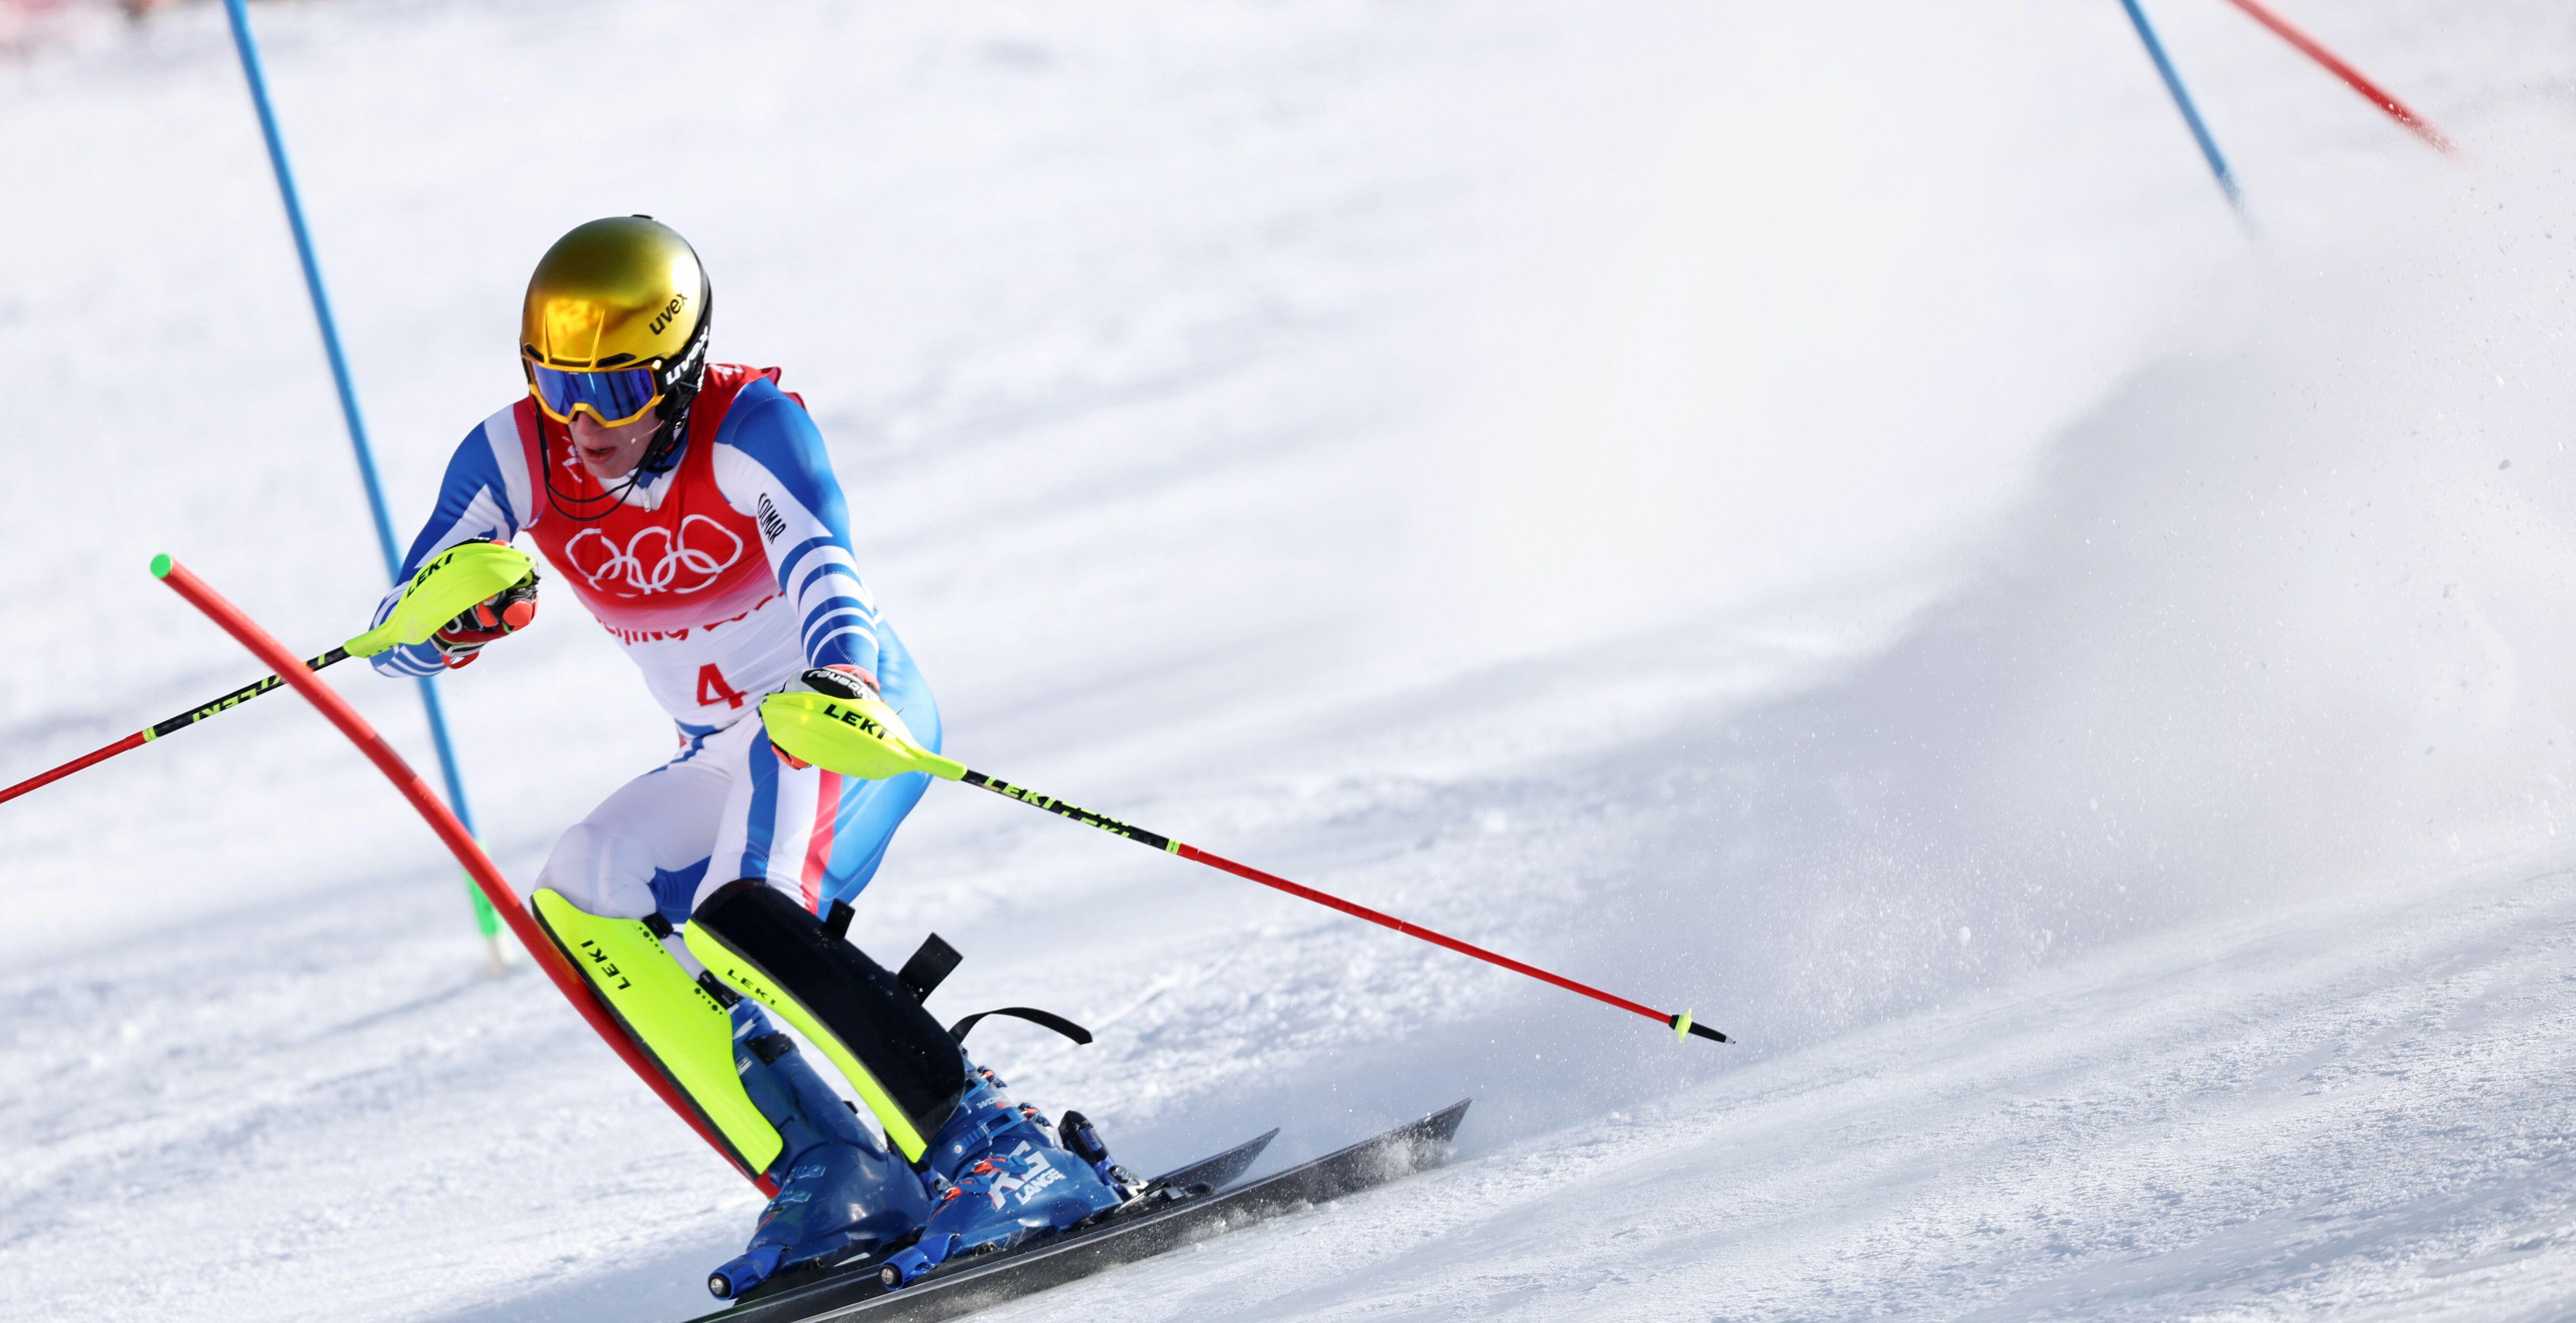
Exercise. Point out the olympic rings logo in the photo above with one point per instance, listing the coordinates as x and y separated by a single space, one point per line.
656 559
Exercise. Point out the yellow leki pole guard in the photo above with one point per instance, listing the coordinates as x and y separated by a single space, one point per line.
447 587
855 737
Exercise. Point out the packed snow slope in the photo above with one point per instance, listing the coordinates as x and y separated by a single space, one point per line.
1814 513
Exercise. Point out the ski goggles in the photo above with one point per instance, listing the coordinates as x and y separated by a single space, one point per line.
613 395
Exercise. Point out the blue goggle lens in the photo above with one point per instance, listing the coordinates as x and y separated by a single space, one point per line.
619 395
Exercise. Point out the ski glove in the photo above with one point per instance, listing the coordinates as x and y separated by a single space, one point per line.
839 681
503 613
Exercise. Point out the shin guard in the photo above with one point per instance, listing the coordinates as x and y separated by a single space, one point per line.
906 1068
681 1027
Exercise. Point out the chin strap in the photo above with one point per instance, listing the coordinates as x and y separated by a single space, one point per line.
607 501
682 393
665 448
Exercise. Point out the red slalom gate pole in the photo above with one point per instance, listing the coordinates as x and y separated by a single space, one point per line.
2353 78
478 865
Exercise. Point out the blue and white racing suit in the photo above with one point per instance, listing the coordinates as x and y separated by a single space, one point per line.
668 567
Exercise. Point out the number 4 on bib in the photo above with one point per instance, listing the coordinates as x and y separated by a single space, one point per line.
712 688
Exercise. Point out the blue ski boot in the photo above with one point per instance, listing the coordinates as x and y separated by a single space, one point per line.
839 1191
993 1171
837 1188
1000 1173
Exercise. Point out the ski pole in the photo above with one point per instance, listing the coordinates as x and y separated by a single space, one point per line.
441 590
864 738
178 723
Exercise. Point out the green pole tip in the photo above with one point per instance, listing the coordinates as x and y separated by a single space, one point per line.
161 566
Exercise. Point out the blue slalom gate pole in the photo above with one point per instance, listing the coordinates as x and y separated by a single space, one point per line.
248 46
2181 97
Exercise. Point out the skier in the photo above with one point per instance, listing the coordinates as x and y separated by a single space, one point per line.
692 508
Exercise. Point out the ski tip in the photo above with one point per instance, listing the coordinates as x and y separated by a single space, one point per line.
161 566
1442 1125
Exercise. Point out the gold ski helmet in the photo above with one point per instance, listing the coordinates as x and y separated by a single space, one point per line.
615 324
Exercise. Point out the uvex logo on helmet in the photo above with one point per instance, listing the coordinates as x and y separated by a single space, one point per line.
672 310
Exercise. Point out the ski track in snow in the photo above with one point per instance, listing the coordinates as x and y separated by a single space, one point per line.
2362 1113
1818 517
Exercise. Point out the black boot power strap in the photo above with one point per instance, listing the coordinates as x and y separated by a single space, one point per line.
1043 1019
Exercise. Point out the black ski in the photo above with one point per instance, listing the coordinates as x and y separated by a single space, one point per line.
1180 1207
1215 1173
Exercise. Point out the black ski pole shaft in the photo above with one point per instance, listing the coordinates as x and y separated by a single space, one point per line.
180 722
